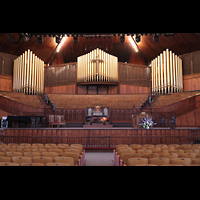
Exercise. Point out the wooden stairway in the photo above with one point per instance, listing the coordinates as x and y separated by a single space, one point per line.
48 109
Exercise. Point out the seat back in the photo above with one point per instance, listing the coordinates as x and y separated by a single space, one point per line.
137 161
43 160
181 161
68 160
20 160
159 161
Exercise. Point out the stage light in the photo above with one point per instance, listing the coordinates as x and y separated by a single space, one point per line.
58 40
137 38
122 38
75 39
156 38
40 40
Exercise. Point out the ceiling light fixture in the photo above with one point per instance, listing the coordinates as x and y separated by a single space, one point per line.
133 42
61 43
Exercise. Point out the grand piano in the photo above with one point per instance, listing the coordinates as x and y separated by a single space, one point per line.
26 121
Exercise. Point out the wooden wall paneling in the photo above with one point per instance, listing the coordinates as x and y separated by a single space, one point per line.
6 83
82 89
92 90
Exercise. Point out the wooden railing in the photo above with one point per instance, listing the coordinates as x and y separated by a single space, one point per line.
102 142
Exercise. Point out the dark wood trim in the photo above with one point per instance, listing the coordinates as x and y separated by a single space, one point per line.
98 83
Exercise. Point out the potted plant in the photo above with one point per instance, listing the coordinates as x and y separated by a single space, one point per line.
147 123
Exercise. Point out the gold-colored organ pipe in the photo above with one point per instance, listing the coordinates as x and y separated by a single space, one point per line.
168 71
161 72
176 75
165 72
181 73
171 71
174 72
158 74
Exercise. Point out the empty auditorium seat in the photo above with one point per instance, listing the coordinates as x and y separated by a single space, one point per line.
169 155
137 161
144 165
9 164
159 161
12 154
32 164
196 161
150 155
20 160
5 159
50 154
57 164
188 155
43 160
181 161
32 154
68 160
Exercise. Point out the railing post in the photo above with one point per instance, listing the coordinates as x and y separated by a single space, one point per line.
56 139
86 140
109 141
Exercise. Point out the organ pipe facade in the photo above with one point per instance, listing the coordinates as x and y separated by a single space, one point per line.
167 75
28 74
97 66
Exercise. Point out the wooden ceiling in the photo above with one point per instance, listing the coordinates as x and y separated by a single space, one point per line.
180 43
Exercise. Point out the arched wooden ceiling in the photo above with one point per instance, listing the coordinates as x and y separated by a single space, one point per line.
180 43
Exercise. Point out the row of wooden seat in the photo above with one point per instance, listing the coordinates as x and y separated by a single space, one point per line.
44 154
33 164
125 152
112 101
44 160
28 100
164 100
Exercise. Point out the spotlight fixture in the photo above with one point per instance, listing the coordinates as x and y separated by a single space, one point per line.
58 39
156 38
75 39
40 36
40 40
122 38
137 38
